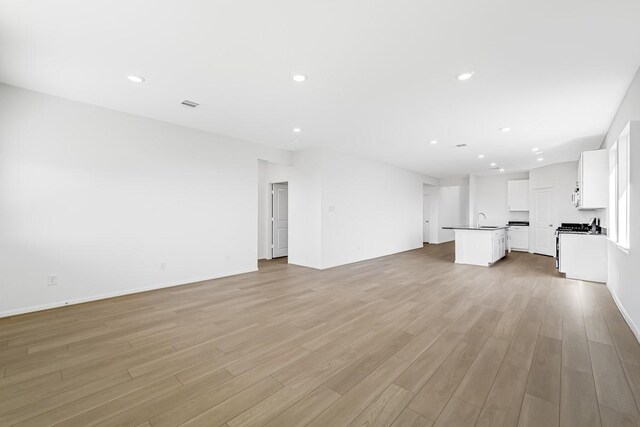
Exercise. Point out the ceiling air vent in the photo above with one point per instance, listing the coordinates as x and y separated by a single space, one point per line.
188 103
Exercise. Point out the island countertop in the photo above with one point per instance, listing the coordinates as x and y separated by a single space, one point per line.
481 228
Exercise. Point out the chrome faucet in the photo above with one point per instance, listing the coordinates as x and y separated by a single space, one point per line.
478 219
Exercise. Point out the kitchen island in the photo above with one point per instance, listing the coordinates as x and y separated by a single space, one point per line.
482 245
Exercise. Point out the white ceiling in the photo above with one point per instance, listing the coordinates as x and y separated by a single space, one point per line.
380 73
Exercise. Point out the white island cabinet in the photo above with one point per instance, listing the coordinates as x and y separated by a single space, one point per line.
479 245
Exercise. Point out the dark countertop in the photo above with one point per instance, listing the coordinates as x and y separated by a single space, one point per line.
481 228
584 233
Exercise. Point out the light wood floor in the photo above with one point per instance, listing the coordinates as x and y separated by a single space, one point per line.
406 340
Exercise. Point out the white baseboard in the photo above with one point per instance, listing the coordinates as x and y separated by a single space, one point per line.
382 255
625 315
82 300
438 243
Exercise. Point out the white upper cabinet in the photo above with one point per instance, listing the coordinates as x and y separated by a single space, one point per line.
518 195
593 180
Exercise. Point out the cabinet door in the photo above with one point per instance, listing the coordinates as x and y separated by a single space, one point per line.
495 242
579 177
520 238
593 171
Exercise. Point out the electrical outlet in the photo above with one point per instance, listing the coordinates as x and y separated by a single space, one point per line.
52 280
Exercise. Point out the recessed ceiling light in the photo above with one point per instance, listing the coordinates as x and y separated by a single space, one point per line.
465 76
535 149
539 152
501 170
297 130
506 129
137 79
540 159
481 156
433 142
299 78
493 164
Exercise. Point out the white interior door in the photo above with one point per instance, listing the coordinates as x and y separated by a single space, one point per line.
426 214
280 219
543 229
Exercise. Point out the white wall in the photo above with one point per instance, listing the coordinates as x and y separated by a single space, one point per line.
454 205
449 206
453 209
491 199
263 208
305 209
624 267
562 177
367 209
268 174
102 198
460 181
473 200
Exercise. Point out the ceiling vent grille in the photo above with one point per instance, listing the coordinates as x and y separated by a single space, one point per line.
190 104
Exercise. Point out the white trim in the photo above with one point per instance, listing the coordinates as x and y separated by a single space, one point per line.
620 247
57 304
326 267
625 315
440 242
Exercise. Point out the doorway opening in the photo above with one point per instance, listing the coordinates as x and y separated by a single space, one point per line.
430 214
543 222
279 220
273 209
426 216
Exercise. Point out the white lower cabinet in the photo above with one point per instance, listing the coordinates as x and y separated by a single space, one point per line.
518 238
583 257
499 244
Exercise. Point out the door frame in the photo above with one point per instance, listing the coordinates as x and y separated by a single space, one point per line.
270 222
553 215
424 196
